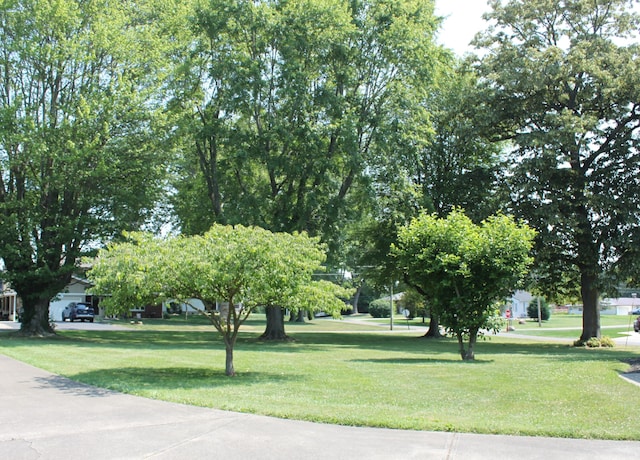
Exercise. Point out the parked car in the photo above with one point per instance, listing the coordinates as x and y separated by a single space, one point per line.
636 324
82 311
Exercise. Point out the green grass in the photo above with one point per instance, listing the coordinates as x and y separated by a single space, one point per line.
570 326
339 372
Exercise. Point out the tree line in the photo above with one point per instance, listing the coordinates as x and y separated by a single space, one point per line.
344 120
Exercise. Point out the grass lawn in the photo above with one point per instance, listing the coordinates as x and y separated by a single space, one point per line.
353 374
570 326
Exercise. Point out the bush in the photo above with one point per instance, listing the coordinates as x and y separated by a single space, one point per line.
380 308
594 342
532 309
412 301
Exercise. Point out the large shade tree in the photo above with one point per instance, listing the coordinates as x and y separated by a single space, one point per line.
457 166
448 164
77 154
464 268
288 106
232 270
562 81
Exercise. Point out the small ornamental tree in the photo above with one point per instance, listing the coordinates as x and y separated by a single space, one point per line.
464 268
238 267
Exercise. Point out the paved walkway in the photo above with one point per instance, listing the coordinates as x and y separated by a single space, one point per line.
45 416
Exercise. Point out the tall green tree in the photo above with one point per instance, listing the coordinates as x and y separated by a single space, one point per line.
458 166
563 85
449 163
233 268
464 268
290 105
78 158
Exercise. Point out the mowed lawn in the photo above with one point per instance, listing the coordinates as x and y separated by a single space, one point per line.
353 374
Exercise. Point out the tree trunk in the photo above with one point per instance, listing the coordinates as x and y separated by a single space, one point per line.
275 324
356 299
35 319
298 317
434 327
463 352
473 338
590 310
229 370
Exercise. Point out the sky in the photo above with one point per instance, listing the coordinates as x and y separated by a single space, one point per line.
463 19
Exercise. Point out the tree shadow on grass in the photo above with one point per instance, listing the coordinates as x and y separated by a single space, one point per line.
123 339
425 360
411 347
559 351
135 379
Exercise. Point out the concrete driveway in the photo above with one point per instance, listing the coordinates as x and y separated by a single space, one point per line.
45 416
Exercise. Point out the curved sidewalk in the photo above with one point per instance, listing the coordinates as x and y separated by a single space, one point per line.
45 416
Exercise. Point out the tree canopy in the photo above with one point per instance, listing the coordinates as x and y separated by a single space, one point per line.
288 108
78 153
286 104
463 269
562 84
232 270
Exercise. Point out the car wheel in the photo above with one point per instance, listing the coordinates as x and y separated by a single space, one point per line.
91 320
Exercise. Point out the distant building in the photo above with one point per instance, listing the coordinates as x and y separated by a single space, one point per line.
619 306
9 303
519 303
76 291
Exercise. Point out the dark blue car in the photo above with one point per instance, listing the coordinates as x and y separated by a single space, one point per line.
82 311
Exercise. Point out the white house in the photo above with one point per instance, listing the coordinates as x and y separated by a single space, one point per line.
519 302
9 303
76 291
619 306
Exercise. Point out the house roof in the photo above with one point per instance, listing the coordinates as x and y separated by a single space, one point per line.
522 296
77 280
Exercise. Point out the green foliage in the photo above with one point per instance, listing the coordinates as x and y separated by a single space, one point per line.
595 342
285 130
380 308
532 309
414 302
79 158
458 166
464 268
239 267
561 82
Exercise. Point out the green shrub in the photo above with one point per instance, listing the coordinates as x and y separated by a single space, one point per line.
595 342
412 301
380 308
607 342
532 309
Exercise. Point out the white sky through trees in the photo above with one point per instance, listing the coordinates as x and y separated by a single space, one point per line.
463 19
